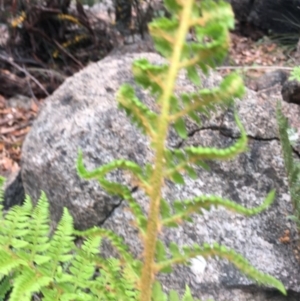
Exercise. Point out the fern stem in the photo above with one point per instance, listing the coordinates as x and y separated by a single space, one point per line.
157 180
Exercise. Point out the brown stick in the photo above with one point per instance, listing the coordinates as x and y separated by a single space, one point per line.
62 49
11 62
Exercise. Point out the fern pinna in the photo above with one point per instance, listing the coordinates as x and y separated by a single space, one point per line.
33 261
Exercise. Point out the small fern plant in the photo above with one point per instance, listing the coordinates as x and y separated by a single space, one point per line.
287 136
40 264
292 166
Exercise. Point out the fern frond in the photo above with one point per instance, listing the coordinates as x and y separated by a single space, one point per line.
102 171
14 227
61 242
292 166
8 262
115 240
180 160
118 283
26 283
199 153
5 286
205 100
164 33
115 188
217 250
159 295
82 268
124 192
38 231
184 209
49 294
123 273
285 142
139 113
150 76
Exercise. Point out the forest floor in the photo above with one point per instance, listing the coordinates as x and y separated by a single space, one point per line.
16 118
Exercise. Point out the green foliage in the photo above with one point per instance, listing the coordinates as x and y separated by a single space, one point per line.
295 74
292 166
35 261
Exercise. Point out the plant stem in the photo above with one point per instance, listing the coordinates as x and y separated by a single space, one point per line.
157 180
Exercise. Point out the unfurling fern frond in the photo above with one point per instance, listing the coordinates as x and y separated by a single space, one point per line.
216 250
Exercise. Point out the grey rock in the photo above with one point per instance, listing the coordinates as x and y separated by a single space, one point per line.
13 190
241 8
291 91
270 79
83 113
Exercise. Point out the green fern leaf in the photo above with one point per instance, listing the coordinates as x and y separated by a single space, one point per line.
191 172
161 255
165 210
105 169
14 226
140 114
292 168
174 250
61 242
37 236
163 32
76 296
221 251
8 263
149 76
180 128
177 178
187 294
173 6
193 75
26 284
5 286
83 268
160 251
173 296
157 293
183 209
295 74
194 117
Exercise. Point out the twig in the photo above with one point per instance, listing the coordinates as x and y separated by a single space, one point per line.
4 131
30 89
268 89
11 62
49 71
62 49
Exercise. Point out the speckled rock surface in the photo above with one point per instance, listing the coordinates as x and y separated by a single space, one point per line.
83 113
